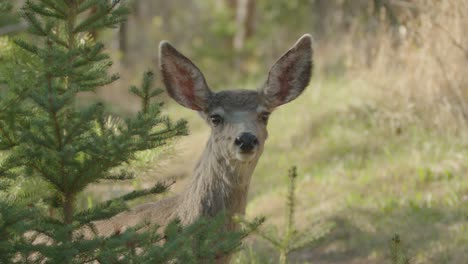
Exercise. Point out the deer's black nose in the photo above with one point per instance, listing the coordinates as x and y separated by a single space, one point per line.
246 142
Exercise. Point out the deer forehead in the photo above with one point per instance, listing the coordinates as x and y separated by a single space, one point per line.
235 101
236 116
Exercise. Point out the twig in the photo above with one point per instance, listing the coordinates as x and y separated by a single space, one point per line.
455 89
452 39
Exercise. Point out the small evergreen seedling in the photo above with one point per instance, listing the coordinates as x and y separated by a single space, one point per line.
397 251
291 239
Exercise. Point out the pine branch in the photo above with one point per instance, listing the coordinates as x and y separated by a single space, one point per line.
7 137
274 241
117 205
57 6
110 12
122 176
156 189
307 238
46 12
145 93
26 46
101 211
35 25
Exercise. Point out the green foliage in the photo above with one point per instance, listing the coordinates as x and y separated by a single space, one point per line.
204 241
62 149
7 15
145 93
13 224
397 251
5 6
279 11
292 239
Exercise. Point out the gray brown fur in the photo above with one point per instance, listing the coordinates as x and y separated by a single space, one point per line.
221 179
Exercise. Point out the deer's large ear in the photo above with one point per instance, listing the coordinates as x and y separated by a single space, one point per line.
183 80
290 75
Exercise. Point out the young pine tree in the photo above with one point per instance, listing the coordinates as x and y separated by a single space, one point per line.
292 239
46 139
398 253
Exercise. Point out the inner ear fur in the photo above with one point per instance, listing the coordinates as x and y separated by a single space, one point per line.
184 81
290 75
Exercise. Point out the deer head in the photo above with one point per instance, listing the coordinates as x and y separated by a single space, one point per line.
238 118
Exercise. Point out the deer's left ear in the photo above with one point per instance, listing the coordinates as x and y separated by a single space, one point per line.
290 75
183 80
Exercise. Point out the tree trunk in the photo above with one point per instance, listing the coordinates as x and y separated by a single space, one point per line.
245 19
123 40
68 205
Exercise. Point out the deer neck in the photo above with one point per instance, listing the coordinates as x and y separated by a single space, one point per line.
219 184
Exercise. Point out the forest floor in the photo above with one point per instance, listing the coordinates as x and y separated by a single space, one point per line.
365 176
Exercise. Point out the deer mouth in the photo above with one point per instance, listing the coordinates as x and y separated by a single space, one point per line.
245 156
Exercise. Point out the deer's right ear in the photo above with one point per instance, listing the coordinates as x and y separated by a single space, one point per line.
183 80
290 75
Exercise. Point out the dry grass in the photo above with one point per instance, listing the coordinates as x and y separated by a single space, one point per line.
418 68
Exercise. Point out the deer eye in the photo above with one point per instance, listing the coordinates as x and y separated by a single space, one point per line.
216 119
264 116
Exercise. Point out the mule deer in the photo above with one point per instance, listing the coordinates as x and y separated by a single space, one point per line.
238 120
